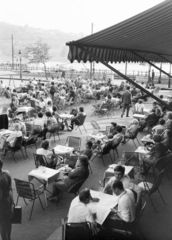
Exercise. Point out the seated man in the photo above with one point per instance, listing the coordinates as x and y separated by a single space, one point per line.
79 173
117 138
44 150
76 120
150 120
139 107
131 129
127 183
157 151
79 212
125 209
159 129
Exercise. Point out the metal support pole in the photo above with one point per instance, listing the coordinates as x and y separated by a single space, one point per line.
128 79
12 45
91 64
20 67
159 80
169 80
126 68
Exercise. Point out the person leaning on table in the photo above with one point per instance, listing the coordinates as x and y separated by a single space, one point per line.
79 212
125 209
119 174
71 177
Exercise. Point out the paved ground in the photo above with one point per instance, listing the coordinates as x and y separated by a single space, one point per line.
45 225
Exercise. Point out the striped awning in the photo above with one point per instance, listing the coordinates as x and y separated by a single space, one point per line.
148 34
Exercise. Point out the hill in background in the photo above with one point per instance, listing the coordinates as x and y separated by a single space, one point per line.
23 36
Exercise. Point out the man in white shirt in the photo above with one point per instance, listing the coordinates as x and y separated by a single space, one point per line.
125 209
126 181
39 121
79 212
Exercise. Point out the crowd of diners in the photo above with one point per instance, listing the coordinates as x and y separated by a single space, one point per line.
48 99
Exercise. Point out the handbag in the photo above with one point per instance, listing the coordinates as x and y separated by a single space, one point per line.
17 215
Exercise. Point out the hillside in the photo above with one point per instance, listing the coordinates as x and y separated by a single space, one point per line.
23 36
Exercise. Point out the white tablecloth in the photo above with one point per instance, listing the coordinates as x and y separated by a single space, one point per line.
24 109
103 207
59 149
98 136
43 173
66 116
139 116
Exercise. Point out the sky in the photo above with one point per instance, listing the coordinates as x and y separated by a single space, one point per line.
71 15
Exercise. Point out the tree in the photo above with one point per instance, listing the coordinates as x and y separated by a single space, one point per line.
38 53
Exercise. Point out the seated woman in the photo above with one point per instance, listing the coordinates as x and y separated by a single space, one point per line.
157 151
50 157
17 133
139 107
71 177
76 120
131 129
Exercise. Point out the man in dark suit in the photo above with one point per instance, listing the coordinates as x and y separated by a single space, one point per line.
126 99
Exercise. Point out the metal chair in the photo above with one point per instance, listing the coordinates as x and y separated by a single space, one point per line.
76 231
74 142
31 141
17 146
133 136
26 190
40 160
127 230
54 130
150 188
81 123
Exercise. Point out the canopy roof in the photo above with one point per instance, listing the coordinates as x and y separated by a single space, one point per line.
148 34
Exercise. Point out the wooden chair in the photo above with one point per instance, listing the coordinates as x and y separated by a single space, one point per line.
26 190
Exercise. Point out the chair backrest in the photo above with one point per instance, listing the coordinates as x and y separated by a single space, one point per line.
33 104
24 189
157 182
74 142
161 163
78 231
40 160
4 110
82 120
54 128
131 158
75 188
95 125
18 142
28 128
36 129
134 134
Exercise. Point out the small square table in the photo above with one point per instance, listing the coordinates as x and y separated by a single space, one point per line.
66 116
45 176
139 116
62 150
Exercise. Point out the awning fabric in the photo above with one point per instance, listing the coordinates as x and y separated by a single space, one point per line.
149 34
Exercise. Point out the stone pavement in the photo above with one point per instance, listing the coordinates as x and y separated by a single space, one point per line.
46 225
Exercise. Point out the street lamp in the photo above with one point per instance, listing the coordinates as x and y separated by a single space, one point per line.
20 54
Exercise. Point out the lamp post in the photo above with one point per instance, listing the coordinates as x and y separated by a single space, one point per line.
20 63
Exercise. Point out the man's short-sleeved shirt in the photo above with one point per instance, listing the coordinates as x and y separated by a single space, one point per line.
79 212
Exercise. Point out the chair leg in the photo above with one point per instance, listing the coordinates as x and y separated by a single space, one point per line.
54 138
25 201
13 157
90 167
79 129
137 140
152 203
26 152
84 128
134 144
17 199
58 136
32 209
161 197
111 158
116 150
103 161
41 203
22 153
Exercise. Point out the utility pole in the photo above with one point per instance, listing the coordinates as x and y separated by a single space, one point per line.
12 45
169 80
91 64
